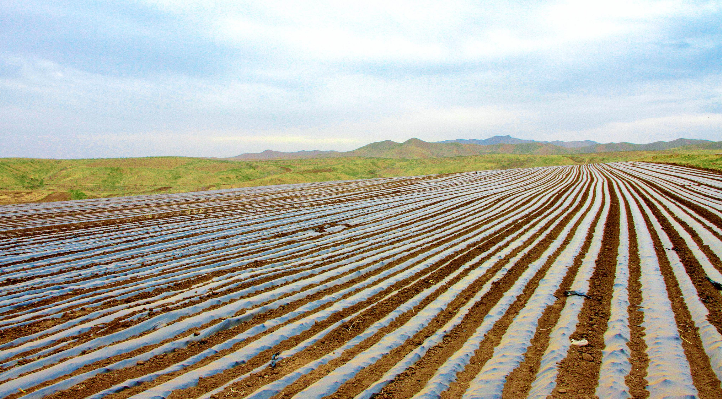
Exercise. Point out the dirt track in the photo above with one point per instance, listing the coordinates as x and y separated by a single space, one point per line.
580 281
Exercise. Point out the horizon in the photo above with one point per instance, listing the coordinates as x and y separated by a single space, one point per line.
216 79
270 150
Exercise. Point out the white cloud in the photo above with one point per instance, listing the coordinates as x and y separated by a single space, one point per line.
437 124
284 139
438 31
209 143
426 124
336 75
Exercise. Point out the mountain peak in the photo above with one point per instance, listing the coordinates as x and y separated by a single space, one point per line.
492 141
414 140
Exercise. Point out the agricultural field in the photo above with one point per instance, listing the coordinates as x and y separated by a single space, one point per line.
564 281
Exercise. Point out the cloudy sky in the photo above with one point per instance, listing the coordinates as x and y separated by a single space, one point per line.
88 78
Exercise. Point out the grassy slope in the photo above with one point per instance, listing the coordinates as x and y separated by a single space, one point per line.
30 180
415 148
707 159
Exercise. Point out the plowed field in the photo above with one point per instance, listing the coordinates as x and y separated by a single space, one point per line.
579 281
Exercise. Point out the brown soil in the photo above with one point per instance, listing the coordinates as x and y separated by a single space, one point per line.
636 380
59 196
411 381
579 371
519 381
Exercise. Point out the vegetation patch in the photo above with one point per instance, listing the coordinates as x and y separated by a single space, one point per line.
77 195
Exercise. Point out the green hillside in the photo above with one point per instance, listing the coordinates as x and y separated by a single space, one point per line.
32 180
419 149
415 148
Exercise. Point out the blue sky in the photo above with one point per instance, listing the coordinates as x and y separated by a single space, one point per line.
84 78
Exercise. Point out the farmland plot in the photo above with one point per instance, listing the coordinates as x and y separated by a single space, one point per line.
577 281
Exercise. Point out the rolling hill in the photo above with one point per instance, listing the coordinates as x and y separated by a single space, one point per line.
419 149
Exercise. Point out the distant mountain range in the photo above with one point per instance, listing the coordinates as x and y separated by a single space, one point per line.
269 154
415 148
513 140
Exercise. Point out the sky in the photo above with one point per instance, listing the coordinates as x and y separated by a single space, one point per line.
91 79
